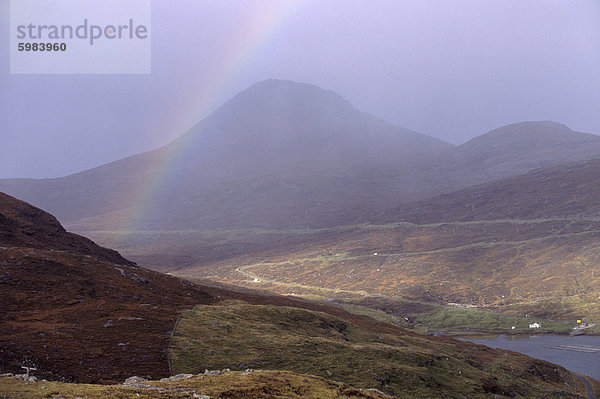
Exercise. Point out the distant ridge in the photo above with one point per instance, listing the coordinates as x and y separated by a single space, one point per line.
569 190
519 147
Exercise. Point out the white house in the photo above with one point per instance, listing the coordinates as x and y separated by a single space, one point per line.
535 325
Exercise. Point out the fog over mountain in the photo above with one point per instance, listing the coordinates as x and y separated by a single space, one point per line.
291 155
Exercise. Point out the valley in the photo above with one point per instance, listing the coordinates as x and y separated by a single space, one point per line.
523 245
538 267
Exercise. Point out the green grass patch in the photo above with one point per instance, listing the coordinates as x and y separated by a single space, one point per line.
375 314
476 320
237 335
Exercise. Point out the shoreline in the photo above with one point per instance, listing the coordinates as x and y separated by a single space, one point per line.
509 333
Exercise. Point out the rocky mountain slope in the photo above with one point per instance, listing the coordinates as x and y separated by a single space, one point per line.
230 385
22 225
77 311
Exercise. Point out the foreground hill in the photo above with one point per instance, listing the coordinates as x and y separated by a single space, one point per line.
236 333
231 385
22 225
77 311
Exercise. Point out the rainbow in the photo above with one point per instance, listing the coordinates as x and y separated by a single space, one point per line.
252 38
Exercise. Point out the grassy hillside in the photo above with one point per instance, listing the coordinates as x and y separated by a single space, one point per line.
238 335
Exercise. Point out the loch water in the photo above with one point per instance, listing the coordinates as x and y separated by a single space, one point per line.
580 354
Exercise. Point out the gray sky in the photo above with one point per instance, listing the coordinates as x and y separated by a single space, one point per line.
449 69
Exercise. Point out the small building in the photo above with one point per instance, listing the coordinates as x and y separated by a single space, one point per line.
535 325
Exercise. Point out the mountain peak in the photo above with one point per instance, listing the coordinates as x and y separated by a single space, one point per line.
287 97
285 125
531 128
281 86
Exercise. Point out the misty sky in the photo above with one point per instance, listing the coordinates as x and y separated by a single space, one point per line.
449 69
